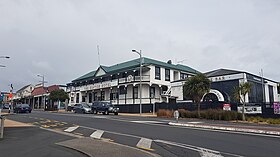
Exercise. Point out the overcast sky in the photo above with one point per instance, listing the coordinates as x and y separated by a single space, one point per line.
58 38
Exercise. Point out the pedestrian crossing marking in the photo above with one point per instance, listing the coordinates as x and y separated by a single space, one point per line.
145 143
97 134
71 129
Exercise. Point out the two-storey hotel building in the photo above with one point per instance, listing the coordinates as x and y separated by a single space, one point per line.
119 83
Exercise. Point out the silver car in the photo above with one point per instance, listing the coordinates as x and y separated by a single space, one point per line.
82 108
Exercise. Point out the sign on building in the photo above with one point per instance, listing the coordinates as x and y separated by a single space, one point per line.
276 107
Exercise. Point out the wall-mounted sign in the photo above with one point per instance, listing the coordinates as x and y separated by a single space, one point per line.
227 107
251 109
217 93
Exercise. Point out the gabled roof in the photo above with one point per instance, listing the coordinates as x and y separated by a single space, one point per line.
134 64
221 72
21 89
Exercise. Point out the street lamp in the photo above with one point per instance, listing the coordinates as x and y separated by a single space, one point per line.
140 55
43 77
7 57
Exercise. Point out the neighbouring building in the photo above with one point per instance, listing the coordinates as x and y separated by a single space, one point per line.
41 94
36 96
23 95
120 83
224 81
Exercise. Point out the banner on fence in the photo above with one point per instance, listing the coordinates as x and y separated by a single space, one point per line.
276 107
251 109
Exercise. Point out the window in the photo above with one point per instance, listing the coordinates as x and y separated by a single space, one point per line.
90 97
183 76
95 96
157 73
167 74
83 99
278 89
135 92
152 92
113 96
122 90
102 95
77 97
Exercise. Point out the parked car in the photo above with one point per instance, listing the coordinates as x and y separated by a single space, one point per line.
104 107
82 108
22 108
6 106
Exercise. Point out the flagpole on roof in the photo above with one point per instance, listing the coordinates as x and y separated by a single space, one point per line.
98 54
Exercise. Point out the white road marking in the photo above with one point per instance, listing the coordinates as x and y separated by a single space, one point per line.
97 134
145 143
150 122
203 151
101 117
194 122
71 129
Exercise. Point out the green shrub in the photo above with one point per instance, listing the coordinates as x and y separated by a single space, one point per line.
263 120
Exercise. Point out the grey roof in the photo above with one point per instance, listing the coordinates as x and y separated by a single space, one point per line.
134 64
221 72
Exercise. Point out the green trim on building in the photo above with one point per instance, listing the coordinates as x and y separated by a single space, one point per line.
134 64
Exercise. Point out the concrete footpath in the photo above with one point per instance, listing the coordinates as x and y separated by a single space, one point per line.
229 126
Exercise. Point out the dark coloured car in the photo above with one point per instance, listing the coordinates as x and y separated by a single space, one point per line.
22 108
104 107
6 106
82 108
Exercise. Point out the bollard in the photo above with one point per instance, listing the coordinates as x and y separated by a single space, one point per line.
2 126
176 115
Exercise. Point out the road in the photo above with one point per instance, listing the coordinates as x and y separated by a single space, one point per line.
153 134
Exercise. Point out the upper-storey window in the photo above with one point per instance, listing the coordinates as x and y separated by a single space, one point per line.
157 73
183 76
167 74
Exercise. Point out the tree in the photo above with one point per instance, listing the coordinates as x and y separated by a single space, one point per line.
240 93
196 87
58 95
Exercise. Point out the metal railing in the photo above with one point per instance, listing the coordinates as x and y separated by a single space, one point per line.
2 119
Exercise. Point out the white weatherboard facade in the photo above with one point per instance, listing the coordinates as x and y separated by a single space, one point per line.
122 86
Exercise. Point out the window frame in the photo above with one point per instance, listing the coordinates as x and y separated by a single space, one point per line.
157 73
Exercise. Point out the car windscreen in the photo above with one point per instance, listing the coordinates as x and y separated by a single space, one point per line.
24 105
86 105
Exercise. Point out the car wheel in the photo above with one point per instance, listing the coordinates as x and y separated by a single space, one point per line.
94 111
116 113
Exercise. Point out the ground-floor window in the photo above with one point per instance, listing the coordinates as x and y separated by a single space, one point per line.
152 92
77 97
90 97
135 92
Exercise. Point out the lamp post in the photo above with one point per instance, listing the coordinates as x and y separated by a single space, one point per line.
7 57
140 55
43 77
43 83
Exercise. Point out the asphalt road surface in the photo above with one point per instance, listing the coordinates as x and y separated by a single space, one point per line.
153 134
